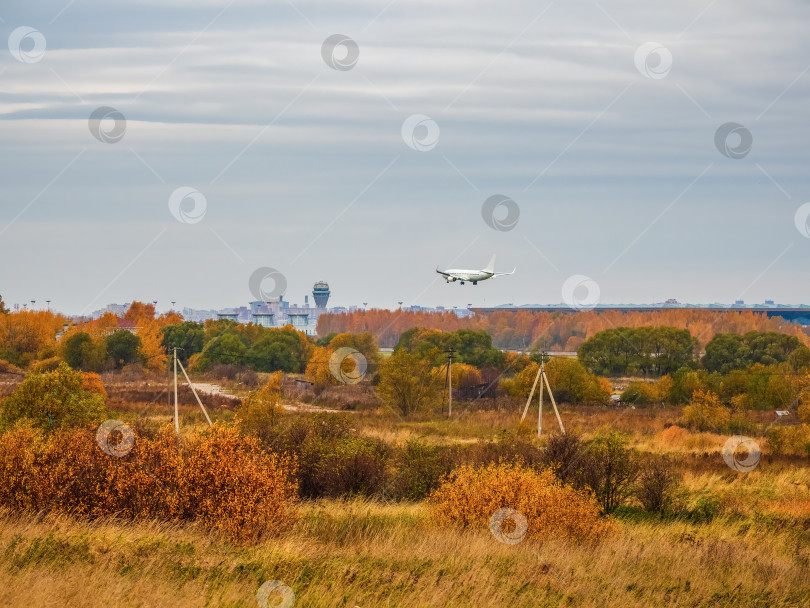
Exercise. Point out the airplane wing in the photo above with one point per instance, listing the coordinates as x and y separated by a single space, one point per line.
443 273
500 274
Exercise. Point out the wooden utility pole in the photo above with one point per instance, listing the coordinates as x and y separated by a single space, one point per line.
176 413
196 396
543 379
450 352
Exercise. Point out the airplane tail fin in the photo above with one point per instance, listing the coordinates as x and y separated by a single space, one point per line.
491 266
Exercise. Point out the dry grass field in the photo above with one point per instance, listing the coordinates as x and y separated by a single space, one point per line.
741 539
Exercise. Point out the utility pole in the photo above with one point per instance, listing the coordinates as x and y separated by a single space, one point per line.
176 412
450 352
543 379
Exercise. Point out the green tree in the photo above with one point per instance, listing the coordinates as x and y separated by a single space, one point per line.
472 347
52 400
123 347
187 337
652 351
80 351
726 352
226 348
275 351
3 309
409 383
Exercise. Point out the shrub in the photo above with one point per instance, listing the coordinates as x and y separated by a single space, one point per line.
673 435
657 483
330 461
92 382
352 467
262 408
789 439
408 384
609 468
52 400
506 447
45 365
804 411
706 412
470 496
420 469
562 455
8 368
217 477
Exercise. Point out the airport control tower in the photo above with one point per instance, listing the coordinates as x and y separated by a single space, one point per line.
320 293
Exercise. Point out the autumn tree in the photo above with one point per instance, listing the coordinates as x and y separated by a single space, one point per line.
28 335
408 383
706 412
262 408
570 382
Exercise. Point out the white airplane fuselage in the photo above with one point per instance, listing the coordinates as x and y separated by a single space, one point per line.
462 275
457 274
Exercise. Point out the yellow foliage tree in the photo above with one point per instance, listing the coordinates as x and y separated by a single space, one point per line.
261 408
465 375
317 370
706 411
409 383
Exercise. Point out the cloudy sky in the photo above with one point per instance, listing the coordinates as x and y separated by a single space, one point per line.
599 119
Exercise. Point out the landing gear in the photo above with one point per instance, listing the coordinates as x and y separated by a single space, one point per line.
462 282
475 282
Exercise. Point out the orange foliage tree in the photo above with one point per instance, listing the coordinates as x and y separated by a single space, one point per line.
28 335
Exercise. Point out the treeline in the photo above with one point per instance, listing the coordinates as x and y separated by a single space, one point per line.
657 351
555 331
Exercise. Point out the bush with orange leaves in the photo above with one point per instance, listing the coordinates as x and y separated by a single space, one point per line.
217 477
469 496
93 383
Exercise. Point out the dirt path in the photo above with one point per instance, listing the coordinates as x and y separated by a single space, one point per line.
209 388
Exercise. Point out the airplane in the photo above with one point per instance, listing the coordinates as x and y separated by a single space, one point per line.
454 274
